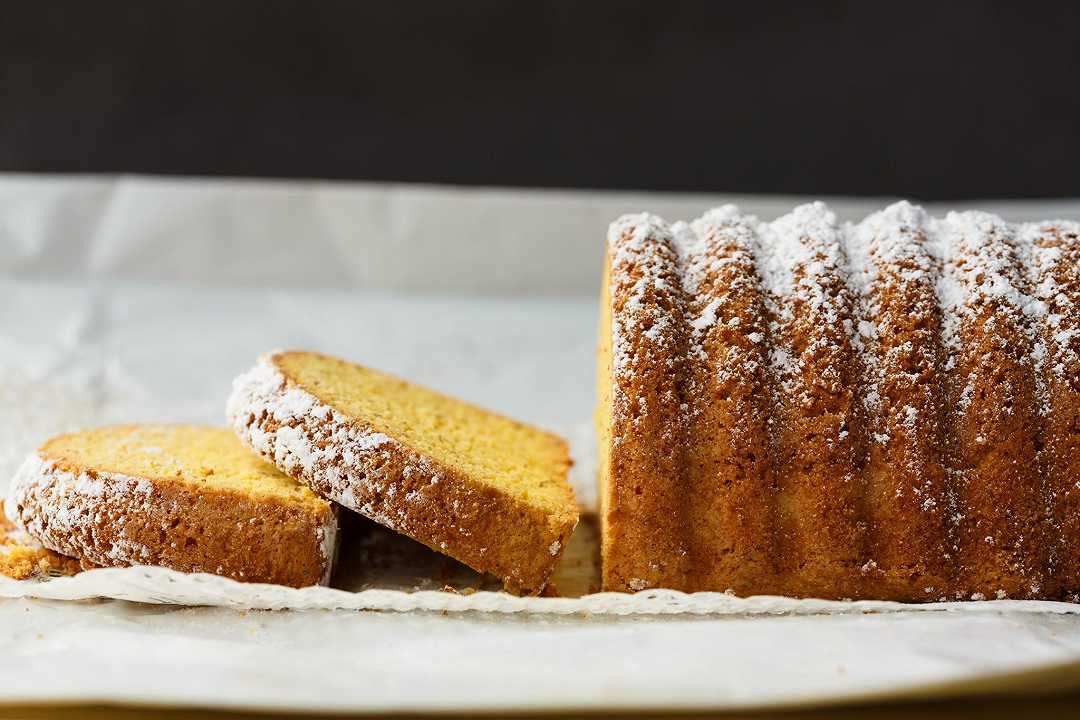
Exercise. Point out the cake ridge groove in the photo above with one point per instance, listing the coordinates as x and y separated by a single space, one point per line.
1052 252
730 383
646 282
994 423
909 501
820 484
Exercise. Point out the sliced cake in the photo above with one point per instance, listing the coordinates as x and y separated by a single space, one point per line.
184 497
483 489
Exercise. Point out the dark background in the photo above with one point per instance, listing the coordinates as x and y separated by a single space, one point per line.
934 101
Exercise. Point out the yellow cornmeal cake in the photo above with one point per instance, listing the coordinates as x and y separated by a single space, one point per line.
886 409
184 497
483 489
22 558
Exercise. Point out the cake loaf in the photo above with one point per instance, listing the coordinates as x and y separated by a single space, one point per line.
887 409
184 497
486 490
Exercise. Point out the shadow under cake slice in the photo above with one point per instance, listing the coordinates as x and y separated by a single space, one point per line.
486 490
184 497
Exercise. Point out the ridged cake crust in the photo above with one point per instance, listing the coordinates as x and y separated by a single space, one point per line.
888 409
110 519
344 459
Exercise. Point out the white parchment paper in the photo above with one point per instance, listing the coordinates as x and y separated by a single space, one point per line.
139 299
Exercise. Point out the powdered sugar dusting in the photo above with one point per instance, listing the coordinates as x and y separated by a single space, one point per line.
307 439
889 247
69 510
729 343
698 245
641 245
971 256
1051 250
802 266
981 256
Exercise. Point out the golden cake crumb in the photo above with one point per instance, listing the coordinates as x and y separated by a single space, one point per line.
21 558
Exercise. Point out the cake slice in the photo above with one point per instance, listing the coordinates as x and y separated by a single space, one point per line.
184 497
485 490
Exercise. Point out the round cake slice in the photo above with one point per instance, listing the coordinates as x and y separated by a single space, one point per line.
184 497
486 490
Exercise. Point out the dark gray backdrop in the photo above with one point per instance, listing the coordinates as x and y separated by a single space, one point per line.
941 100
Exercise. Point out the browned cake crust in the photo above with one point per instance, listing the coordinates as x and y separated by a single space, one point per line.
649 418
345 460
728 490
881 410
909 501
994 424
1058 268
108 519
